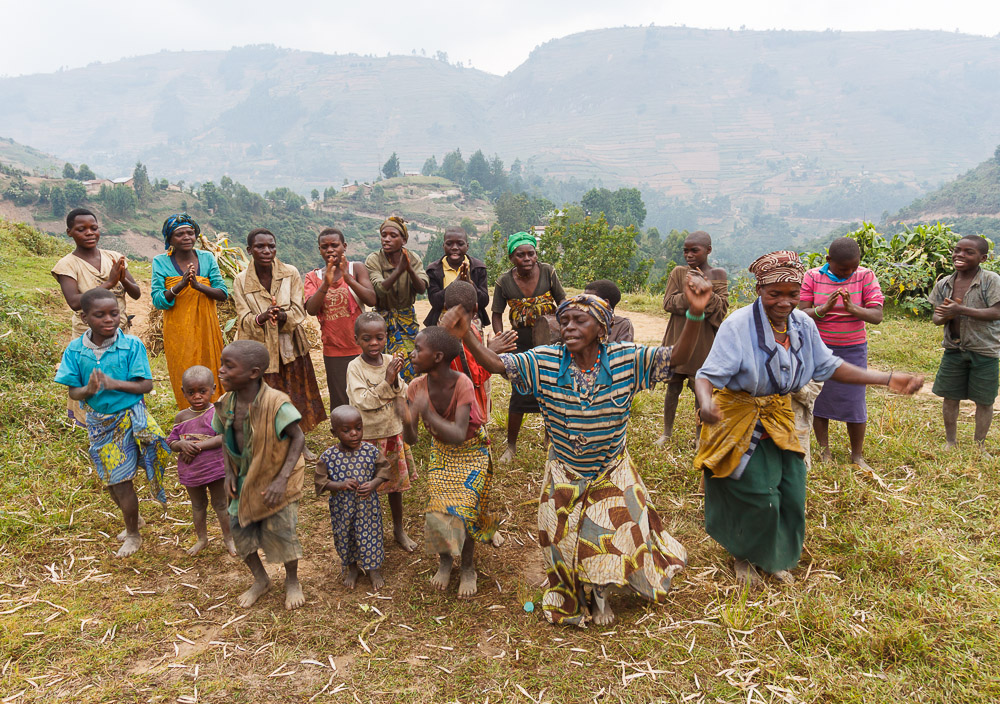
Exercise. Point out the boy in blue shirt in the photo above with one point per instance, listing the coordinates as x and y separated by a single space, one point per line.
108 371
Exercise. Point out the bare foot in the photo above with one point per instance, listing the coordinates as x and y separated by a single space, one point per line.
497 540
121 536
350 575
981 448
294 598
230 545
784 576
826 455
404 541
197 547
600 610
509 455
860 462
377 581
130 546
308 455
468 585
440 580
949 446
662 440
746 573
251 595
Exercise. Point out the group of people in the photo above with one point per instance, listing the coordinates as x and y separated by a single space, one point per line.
569 358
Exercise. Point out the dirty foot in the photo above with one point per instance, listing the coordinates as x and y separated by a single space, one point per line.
746 573
662 440
130 546
949 446
230 546
197 547
826 455
350 575
251 595
981 449
860 462
440 580
497 540
600 610
509 455
121 536
403 540
377 580
468 585
308 455
784 576
294 598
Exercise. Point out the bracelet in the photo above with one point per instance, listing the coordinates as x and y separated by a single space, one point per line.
816 313
698 318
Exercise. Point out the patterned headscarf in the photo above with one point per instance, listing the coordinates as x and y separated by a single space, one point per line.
519 238
174 223
777 268
397 223
595 305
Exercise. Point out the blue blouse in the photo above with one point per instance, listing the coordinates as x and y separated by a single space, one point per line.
163 267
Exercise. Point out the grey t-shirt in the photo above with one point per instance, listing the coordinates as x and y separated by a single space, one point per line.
979 336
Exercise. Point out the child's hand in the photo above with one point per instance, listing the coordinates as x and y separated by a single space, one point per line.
229 485
463 272
366 489
349 485
393 368
117 272
503 342
418 406
187 449
275 492
950 308
94 383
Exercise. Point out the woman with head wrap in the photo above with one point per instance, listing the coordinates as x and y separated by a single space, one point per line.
398 276
186 286
755 475
532 290
596 524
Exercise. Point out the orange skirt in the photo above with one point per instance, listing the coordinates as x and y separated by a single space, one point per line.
191 336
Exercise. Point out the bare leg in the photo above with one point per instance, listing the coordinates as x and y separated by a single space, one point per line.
950 413
121 536
294 598
261 582
514 421
856 432
670 401
440 580
821 427
396 507
124 495
600 609
220 503
350 574
467 585
984 417
199 514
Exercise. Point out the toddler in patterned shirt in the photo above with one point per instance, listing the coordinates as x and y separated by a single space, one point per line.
351 471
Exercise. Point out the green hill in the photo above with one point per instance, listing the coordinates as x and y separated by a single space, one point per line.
24 158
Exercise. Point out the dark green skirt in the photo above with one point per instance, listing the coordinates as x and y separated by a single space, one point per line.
760 517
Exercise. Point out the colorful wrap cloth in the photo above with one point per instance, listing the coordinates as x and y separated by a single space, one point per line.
356 522
525 312
725 447
778 267
459 479
595 306
176 222
401 463
601 531
518 239
191 336
401 328
120 441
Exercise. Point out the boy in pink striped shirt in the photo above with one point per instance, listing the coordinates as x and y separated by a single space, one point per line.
842 296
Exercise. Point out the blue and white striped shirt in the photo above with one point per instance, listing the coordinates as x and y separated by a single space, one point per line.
587 426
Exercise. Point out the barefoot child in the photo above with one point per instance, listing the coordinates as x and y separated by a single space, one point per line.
459 472
621 329
967 304
109 371
201 464
841 296
264 468
697 247
352 471
374 383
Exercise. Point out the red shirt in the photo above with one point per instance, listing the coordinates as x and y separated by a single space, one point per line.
336 317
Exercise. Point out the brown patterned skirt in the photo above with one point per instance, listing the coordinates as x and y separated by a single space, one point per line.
298 380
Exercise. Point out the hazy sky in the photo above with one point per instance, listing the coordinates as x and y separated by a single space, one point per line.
45 35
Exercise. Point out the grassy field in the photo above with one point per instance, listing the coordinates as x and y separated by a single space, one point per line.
896 600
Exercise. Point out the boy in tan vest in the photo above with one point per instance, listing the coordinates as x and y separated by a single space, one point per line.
264 468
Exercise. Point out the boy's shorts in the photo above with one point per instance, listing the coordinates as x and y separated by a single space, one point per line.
275 535
967 375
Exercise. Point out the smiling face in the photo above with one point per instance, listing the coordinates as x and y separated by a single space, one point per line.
456 244
350 431
779 300
524 258
423 357
332 248
371 338
85 231
263 250
579 330
102 317
198 393
966 256
392 239
183 239
235 372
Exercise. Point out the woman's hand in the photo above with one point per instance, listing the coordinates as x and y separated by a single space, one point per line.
332 272
117 272
904 383
698 292
710 414
504 342
456 321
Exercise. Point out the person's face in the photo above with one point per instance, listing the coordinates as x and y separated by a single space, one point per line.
103 317
966 255
331 248
263 250
350 433
235 373
371 338
524 257
455 247
85 231
579 329
696 254
779 299
392 240
183 238
199 394
846 269
423 358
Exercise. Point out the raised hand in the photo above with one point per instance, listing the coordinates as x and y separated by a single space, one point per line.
332 272
950 308
463 272
456 321
503 342
393 368
698 292
117 272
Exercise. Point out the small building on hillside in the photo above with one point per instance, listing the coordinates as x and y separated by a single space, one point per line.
349 188
175 188
412 173
94 186
124 181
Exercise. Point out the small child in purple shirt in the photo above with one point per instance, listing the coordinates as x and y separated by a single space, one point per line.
201 464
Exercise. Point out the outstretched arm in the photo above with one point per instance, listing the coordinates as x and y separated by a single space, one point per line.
459 324
900 382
